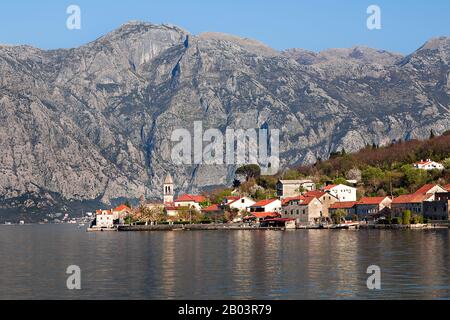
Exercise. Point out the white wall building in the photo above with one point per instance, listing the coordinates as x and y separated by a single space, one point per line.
428 165
241 203
270 205
105 219
342 192
190 201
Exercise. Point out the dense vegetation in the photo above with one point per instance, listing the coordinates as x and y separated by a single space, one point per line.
379 170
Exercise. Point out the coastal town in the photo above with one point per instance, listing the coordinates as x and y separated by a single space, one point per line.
298 204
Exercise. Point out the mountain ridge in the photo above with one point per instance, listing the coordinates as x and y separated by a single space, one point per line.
94 122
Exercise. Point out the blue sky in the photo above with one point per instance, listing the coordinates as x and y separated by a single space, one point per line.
282 24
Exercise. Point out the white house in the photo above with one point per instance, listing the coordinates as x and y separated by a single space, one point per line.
104 219
270 205
190 201
239 203
291 188
342 192
428 165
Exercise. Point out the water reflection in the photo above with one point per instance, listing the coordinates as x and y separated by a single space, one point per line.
242 265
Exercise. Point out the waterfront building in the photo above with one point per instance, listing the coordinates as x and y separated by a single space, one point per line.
349 207
327 199
439 209
270 205
104 219
412 202
373 207
342 192
293 188
428 165
305 210
121 212
258 217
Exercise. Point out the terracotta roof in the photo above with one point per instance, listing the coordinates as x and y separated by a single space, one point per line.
447 187
212 208
262 215
100 212
329 187
424 189
264 203
315 193
343 205
371 200
191 198
422 163
285 201
304 201
411 198
122 208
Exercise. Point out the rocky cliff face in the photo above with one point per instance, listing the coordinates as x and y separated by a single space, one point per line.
94 123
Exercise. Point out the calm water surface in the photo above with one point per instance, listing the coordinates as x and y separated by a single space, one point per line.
299 264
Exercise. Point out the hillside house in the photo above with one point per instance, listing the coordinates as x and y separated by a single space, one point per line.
293 188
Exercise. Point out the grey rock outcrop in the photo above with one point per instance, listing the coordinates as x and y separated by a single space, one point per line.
94 122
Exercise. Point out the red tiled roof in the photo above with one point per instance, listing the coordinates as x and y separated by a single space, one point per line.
122 208
315 193
329 187
371 200
264 203
212 208
285 201
411 198
263 215
343 205
108 212
191 198
424 189
447 187
302 200
422 163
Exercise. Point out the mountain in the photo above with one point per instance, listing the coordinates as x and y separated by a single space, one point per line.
93 124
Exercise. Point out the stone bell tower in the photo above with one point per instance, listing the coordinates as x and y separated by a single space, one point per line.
168 190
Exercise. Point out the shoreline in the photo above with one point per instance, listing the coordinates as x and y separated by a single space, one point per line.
195 227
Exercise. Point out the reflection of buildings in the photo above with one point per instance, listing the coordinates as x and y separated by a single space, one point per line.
168 264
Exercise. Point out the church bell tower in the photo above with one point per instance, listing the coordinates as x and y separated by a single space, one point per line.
168 190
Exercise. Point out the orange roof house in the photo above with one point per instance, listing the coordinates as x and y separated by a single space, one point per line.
372 200
213 208
190 198
343 205
411 198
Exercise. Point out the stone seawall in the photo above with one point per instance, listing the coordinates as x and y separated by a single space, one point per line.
191 227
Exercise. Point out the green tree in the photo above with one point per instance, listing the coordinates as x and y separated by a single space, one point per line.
372 176
249 171
406 217
292 174
338 215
